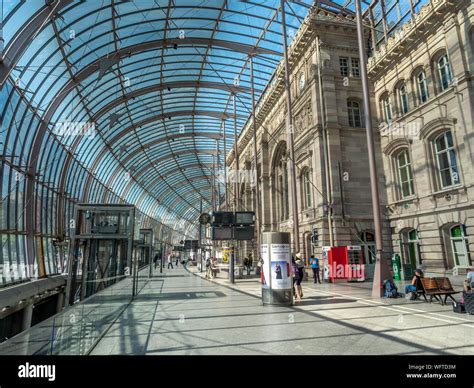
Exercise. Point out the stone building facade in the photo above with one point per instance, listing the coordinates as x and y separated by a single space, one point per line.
422 106
347 194
423 89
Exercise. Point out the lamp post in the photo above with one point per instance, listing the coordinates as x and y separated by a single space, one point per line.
289 129
382 270
255 159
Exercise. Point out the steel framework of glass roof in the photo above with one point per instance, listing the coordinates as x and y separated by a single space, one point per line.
154 79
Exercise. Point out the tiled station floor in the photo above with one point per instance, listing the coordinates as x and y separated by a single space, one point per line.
179 312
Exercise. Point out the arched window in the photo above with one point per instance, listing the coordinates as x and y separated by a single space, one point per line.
459 241
448 174
422 85
445 73
307 189
404 174
403 97
355 113
282 179
387 108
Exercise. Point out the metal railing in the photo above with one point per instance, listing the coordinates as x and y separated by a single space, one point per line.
78 328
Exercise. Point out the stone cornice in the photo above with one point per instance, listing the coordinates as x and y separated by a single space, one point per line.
303 45
411 31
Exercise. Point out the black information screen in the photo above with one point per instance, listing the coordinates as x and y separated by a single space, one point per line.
244 218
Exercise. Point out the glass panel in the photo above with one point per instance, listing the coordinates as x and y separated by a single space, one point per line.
402 159
406 189
355 67
443 161
344 66
449 138
440 143
403 174
446 178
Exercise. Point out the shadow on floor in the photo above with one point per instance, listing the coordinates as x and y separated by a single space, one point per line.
180 295
316 300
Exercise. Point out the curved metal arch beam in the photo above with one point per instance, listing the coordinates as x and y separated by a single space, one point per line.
194 194
172 85
145 115
104 151
207 113
84 74
25 36
190 166
154 44
146 167
128 51
124 52
113 175
159 178
191 196
197 178
154 209
98 159
199 191
187 134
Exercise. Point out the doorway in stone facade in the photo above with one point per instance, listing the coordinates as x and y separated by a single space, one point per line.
367 240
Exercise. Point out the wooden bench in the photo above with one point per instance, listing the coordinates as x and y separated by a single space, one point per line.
421 291
430 288
437 288
445 288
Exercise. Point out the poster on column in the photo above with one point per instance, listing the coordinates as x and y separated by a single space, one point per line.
280 266
265 274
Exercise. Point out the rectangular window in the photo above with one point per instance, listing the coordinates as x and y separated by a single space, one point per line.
422 87
446 160
307 189
404 99
344 66
405 175
355 68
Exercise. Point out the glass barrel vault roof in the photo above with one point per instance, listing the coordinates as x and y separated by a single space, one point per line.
156 79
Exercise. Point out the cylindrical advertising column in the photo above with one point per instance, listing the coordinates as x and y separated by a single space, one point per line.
276 277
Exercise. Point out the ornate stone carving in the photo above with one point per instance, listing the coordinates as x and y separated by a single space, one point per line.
303 119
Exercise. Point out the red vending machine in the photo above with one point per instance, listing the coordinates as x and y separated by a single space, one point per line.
346 263
337 260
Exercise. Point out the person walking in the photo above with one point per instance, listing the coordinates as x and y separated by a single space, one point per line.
208 268
259 267
177 261
314 261
155 259
295 275
300 269
250 264
170 262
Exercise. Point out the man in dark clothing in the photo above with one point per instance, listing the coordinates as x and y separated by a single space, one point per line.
315 267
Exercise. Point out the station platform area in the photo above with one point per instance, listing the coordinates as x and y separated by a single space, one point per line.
179 312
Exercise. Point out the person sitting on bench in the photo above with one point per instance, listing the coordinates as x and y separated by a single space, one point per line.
469 281
415 284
